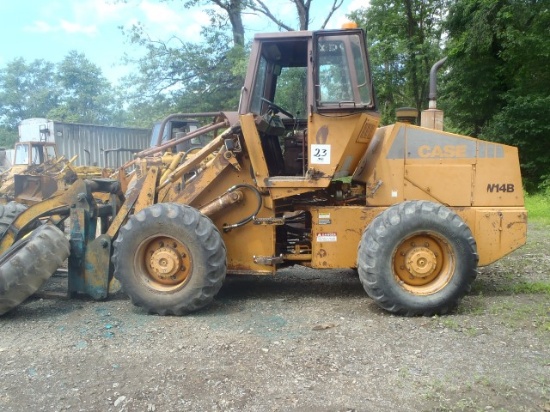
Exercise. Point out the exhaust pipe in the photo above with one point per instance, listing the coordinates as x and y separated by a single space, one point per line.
433 118
433 83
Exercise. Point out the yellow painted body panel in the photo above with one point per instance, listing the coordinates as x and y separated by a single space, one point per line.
243 243
497 231
345 139
383 177
246 243
406 162
448 185
337 231
498 180
335 146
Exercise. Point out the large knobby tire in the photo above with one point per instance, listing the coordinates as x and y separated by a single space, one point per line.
417 258
28 263
170 259
8 213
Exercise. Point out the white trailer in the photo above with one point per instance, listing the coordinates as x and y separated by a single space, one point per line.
103 146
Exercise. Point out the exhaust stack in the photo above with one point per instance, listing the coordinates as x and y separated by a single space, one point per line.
433 118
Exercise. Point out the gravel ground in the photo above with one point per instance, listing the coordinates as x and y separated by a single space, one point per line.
303 340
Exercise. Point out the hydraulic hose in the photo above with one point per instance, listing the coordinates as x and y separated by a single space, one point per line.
244 221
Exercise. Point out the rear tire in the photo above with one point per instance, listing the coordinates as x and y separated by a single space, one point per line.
417 258
170 259
28 263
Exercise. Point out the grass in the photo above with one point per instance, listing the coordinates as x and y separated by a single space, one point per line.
514 315
527 288
538 207
474 395
508 285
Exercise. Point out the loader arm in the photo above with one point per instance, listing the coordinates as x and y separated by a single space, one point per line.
58 207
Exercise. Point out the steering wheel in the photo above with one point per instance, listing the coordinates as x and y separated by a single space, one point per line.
277 108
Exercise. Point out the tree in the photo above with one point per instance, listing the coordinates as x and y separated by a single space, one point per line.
498 87
303 8
84 92
205 76
191 77
405 39
26 90
8 137
235 8
232 9
73 90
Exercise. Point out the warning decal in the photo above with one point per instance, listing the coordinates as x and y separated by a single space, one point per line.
327 237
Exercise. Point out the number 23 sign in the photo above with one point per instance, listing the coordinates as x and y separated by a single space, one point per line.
320 154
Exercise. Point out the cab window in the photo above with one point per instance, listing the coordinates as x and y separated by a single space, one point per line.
21 154
342 79
281 76
334 75
291 91
49 153
36 155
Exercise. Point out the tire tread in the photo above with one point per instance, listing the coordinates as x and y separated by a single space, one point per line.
383 227
29 263
206 235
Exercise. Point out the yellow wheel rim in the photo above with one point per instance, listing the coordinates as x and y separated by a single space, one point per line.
423 263
165 262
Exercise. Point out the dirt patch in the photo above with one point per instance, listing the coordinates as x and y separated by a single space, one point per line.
303 340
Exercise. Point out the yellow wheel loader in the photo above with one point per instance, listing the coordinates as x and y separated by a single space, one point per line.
38 172
300 175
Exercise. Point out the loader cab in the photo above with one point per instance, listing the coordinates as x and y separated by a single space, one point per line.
311 97
175 129
34 153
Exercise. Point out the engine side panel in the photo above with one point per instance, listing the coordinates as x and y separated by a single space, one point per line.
408 162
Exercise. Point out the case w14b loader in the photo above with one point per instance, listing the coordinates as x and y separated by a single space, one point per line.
300 175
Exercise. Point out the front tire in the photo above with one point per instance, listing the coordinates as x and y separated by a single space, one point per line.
417 258
28 263
170 259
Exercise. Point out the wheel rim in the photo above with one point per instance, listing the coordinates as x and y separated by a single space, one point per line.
164 262
423 263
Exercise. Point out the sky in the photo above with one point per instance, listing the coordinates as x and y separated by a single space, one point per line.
50 29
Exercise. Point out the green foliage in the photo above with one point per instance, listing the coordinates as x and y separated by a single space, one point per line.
83 92
73 90
26 90
527 288
291 90
498 85
145 113
8 137
538 207
187 77
228 19
523 122
405 40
